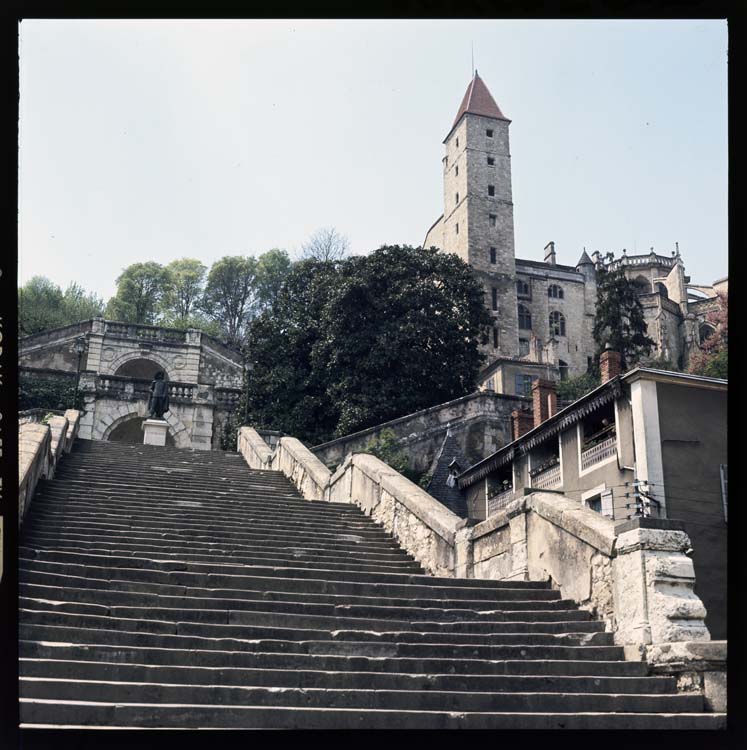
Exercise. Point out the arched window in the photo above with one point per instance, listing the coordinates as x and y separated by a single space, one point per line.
706 330
522 289
662 289
525 317
555 292
557 324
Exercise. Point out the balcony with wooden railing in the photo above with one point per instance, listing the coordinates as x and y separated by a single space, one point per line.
546 477
499 498
600 451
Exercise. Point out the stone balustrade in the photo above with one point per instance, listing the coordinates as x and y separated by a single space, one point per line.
41 444
145 332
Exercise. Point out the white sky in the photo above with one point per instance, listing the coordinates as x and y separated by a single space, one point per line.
155 140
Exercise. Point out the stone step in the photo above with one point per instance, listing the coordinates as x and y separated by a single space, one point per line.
51 538
276 535
144 636
274 594
292 580
41 712
242 625
306 620
173 522
116 672
309 697
219 556
330 606
217 658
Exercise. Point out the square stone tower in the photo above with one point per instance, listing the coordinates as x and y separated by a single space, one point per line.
478 219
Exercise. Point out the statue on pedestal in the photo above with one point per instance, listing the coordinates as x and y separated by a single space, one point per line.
158 403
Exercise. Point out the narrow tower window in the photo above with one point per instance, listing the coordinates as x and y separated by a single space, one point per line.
495 338
495 298
457 143
492 255
489 133
456 171
491 189
492 219
456 197
491 161
457 227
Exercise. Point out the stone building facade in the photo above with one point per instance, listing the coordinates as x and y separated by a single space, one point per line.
117 365
543 311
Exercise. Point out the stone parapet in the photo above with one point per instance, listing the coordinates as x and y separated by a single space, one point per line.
40 447
637 576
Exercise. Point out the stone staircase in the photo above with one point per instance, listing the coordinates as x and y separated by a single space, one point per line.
162 587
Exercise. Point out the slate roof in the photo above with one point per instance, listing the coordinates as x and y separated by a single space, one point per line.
451 497
584 260
477 101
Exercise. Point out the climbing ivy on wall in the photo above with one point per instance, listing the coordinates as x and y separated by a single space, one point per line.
55 393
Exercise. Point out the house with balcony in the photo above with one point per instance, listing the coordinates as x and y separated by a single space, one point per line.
645 443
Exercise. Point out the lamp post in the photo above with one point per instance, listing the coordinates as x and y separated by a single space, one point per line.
79 347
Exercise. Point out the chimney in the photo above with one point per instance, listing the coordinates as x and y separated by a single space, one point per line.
550 253
544 400
610 364
521 421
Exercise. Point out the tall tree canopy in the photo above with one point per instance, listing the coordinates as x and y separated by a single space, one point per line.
353 343
140 289
619 318
43 305
230 295
273 268
182 294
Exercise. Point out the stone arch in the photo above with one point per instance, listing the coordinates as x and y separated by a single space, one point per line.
642 284
141 367
103 426
109 368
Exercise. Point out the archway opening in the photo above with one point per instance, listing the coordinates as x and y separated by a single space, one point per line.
131 431
141 368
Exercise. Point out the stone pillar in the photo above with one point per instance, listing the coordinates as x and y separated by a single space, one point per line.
154 432
654 582
544 400
95 344
517 521
610 364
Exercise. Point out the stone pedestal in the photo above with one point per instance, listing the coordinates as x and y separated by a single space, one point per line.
154 432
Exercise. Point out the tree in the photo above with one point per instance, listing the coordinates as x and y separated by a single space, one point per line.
619 318
42 305
140 288
230 295
81 305
713 358
352 343
183 291
572 389
326 244
272 270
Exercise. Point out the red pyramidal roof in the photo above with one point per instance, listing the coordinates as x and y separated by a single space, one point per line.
478 101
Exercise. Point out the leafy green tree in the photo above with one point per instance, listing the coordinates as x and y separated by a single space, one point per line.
386 447
40 306
183 291
81 305
230 296
140 288
619 319
350 344
571 389
272 270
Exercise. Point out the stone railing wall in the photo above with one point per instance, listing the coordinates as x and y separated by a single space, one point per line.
40 447
636 577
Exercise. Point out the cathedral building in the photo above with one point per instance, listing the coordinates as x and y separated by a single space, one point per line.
543 311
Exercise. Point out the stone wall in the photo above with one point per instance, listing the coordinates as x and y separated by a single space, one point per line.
40 447
480 423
